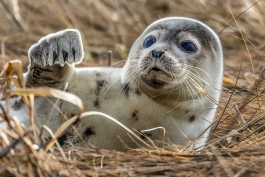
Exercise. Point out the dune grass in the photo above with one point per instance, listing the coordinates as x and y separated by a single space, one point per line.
236 146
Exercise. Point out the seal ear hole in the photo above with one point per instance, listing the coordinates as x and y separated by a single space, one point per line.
150 40
188 46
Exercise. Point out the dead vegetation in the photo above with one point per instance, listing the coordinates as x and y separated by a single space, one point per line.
237 143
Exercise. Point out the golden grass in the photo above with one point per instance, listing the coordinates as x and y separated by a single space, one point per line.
237 143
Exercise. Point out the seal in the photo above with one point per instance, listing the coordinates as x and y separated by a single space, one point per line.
158 86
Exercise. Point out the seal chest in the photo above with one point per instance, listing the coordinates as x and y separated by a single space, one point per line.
157 87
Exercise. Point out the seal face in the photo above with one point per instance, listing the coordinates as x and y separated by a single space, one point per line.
157 87
170 52
159 63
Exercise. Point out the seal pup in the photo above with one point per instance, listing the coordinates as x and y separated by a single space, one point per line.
155 88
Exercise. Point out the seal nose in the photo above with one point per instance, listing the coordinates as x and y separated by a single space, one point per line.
157 54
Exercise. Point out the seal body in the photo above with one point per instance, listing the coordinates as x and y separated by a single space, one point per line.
158 86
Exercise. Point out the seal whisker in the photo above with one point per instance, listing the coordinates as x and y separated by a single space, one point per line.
118 63
197 68
198 78
196 95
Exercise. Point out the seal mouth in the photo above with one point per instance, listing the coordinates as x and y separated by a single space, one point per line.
154 82
156 77
155 69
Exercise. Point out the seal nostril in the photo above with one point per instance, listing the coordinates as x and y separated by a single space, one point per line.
157 54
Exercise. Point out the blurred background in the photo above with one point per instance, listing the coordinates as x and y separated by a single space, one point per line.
115 24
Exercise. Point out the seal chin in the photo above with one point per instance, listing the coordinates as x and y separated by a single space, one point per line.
154 82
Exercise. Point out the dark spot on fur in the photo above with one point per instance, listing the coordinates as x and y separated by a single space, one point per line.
145 135
61 140
89 132
18 104
72 115
135 115
97 74
96 103
100 85
137 92
192 118
126 88
186 111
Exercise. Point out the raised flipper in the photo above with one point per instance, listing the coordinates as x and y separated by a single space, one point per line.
52 58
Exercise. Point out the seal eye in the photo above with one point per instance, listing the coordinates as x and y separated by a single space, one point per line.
188 46
150 40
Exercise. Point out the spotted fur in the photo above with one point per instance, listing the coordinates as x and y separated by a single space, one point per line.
162 87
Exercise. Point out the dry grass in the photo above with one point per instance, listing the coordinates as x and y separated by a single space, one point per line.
237 143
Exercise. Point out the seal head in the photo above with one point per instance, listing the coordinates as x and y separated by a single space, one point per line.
172 53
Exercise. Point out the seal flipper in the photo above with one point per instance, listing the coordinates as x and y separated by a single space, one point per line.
52 59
